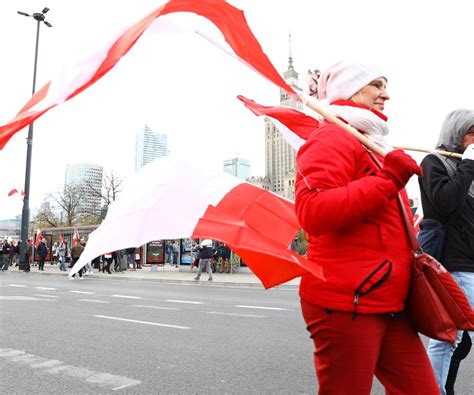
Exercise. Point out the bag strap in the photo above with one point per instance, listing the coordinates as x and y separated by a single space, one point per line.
406 219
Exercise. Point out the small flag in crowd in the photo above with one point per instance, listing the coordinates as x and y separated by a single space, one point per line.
39 235
75 235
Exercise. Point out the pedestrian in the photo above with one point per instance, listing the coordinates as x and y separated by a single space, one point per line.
42 252
6 254
137 258
450 200
130 258
224 254
14 253
54 254
62 251
204 255
1 254
29 249
348 207
76 251
108 258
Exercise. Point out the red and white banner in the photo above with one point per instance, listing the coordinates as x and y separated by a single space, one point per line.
14 191
172 199
228 19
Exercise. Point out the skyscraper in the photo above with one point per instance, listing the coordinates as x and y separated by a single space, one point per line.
238 167
89 176
149 146
280 157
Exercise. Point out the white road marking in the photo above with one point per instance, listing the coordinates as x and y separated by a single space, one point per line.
53 366
25 298
184 301
45 296
94 301
142 322
17 285
126 296
155 307
237 314
261 307
82 292
46 288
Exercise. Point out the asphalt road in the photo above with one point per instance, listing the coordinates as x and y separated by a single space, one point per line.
108 336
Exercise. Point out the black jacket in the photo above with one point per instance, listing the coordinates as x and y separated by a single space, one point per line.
447 200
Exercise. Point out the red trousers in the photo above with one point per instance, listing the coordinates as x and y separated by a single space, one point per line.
348 353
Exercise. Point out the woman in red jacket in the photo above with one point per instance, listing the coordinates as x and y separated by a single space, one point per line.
348 206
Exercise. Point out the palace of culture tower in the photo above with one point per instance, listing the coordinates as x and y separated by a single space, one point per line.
280 157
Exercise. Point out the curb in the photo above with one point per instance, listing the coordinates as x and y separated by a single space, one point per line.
223 284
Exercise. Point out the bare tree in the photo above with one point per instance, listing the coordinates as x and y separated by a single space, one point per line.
47 219
69 202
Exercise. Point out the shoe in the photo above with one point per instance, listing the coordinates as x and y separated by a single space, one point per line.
210 279
80 278
71 278
196 278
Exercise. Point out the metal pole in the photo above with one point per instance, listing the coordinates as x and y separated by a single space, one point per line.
25 215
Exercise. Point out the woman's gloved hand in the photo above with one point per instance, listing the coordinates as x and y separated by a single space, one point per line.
399 167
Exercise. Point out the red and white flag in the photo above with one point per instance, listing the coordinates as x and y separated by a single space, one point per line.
75 235
39 236
239 41
294 125
417 218
61 238
173 199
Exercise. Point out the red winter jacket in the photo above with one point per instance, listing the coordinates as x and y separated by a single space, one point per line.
356 232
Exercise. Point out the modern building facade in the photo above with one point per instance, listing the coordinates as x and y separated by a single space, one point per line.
238 167
89 176
149 145
280 157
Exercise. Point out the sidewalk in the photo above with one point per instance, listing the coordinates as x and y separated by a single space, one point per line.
170 275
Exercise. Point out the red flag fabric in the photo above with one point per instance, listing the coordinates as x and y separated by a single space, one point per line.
61 238
257 224
39 236
228 19
298 122
12 192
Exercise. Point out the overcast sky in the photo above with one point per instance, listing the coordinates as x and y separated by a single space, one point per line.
185 87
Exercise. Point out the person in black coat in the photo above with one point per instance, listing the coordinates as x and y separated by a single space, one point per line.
42 252
447 196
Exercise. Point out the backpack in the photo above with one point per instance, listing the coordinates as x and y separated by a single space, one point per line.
432 232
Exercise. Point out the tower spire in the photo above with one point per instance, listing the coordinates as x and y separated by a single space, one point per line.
290 59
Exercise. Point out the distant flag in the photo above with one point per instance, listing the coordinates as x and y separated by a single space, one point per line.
75 235
417 218
39 235
240 42
61 238
15 191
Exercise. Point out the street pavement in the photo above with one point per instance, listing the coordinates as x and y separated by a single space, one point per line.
169 274
164 333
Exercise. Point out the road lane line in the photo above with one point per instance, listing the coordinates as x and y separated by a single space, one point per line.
184 301
261 307
141 322
47 288
94 301
82 292
126 296
17 285
54 366
26 298
46 296
155 307
237 314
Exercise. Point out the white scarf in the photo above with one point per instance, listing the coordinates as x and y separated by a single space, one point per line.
374 127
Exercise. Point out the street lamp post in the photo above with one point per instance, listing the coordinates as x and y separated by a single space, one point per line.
25 215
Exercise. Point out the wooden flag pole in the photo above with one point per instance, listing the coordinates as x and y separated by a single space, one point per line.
445 153
311 103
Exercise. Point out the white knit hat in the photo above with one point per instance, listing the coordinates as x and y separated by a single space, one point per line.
344 79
